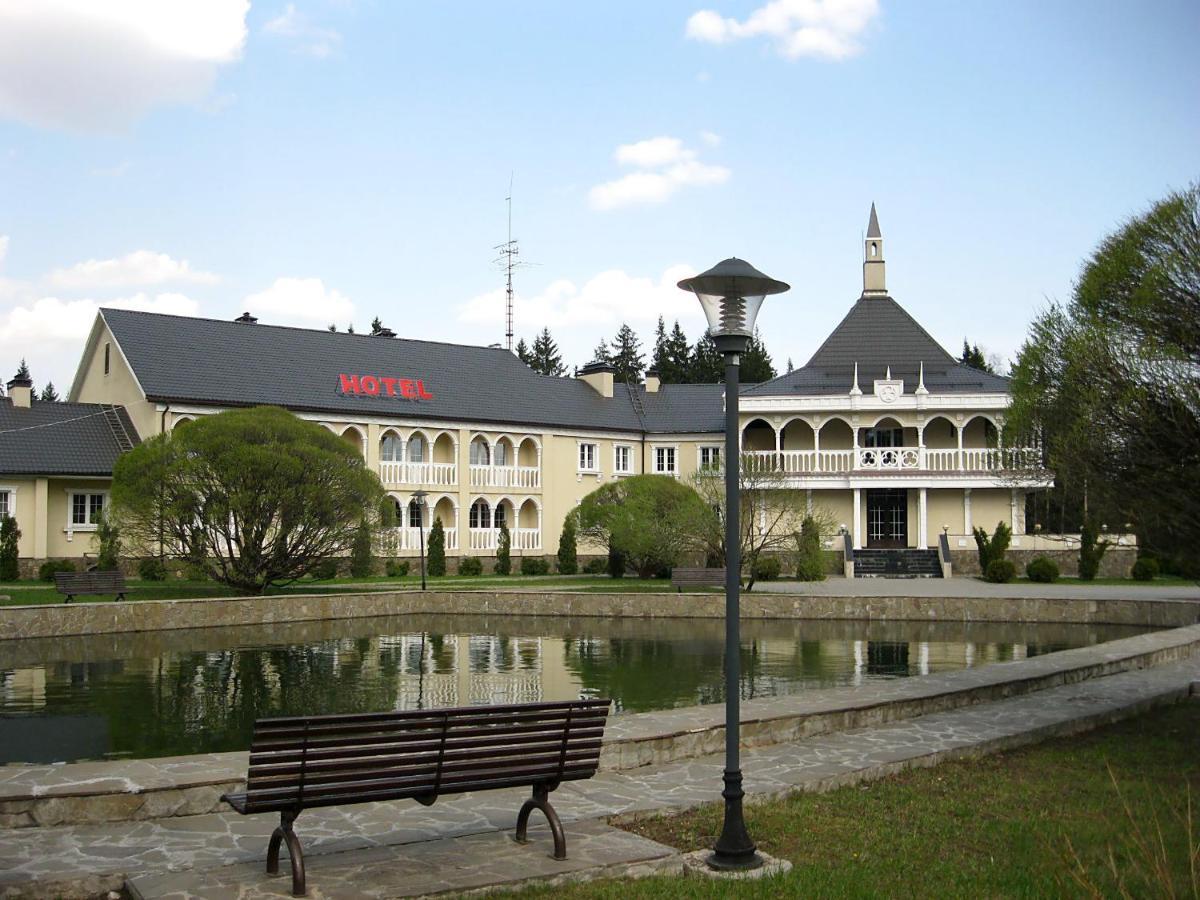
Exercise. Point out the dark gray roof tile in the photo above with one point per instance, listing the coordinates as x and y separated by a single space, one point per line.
59 438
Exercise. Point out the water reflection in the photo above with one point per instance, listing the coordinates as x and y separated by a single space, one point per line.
194 691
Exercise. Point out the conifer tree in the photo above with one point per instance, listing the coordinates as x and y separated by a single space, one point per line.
679 357
545 356
568 550
756 362
376 325
627 356
972 356
23 370
10 534
659 359
504 551
601 353
523 353
49 394
435 552
707 366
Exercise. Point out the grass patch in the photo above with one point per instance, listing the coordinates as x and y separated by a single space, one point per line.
1046 821
1159 581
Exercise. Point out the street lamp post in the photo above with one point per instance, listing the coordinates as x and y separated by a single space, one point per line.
419 499
731 293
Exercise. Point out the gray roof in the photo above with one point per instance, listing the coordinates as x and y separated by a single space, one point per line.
873 224
61 438
877 334
182 359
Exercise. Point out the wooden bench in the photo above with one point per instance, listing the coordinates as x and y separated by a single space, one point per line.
72 583
681 578
303 762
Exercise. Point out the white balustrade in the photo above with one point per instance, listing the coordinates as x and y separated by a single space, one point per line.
833 462
506 476
889 458
393 541
402 472
489 538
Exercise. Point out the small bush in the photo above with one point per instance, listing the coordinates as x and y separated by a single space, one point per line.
396 568
767 568
595 566
994 547
1042 570
435 552
534 565
1091 551
325 570
1000 571
503 564
470 565
47 569
810 568
10 534
1145 569
361 561
108 537
810 559
152 569
568 554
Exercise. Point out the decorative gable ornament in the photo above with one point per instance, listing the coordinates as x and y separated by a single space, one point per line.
888 389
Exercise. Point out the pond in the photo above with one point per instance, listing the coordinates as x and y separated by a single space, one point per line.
169 693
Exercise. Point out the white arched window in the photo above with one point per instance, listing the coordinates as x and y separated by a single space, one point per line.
416 448
501 516
414 514
500 456
390 449
481 514
479 452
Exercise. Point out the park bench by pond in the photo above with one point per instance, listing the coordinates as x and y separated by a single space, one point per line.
304 762
84 583
681 578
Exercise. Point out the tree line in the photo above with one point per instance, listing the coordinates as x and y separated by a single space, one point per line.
676 359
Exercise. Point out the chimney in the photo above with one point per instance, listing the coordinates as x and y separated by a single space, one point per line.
246 319
599 376
383 331
652 381
20 391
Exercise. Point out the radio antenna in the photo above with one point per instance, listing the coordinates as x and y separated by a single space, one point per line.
510 251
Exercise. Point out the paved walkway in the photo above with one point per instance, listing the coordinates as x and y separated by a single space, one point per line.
220 855
960 586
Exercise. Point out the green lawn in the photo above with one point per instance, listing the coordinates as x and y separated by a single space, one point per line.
1010 825
1160 581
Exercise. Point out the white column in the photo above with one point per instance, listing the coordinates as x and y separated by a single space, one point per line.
1016 520
539 528
959 459
922 519
856 528
966 510
778 447
921 446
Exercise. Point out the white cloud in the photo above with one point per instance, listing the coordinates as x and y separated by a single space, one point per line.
305 36
98 66
710 138
141 267
666 166
825 29
3 247
301 301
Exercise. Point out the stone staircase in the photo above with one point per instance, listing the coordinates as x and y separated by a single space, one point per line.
897 564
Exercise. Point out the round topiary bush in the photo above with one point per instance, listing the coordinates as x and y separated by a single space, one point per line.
1145 569
396 568
534 565
1000 571
1042 570
152 569
470 565
767 568
47 569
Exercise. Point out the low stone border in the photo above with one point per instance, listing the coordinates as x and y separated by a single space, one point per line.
147 789
151 615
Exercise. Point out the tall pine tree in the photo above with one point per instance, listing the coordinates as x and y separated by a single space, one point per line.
524 354
756 362
627 356
545 357
49 394
972 356
707 366
601 353
678 356
658 359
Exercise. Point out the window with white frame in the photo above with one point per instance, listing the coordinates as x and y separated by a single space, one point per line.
587 457
710 457
86 509
665 461
622 459
8 505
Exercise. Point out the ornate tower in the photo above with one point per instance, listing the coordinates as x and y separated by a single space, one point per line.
874 276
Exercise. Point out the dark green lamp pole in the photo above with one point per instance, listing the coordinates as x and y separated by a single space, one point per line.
731 293
419 499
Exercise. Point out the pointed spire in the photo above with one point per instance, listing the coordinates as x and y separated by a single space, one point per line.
873 226
921 389
855 390
889 373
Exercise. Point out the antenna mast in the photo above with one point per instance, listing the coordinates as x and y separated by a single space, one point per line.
509 251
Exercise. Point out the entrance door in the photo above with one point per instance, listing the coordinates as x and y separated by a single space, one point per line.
887 518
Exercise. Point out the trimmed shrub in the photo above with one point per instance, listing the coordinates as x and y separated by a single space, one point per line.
1042 570
396 568
534 565
470 565
767 568
361 561
109 538
810 560
435 552
596 566
1000 571
503 551
1091 551
47 569
152 569
325 570
9 535
1145 569
568 553
994 547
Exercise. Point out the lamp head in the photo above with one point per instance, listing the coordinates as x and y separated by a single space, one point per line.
731 293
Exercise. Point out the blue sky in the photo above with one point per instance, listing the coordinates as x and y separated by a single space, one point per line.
333 160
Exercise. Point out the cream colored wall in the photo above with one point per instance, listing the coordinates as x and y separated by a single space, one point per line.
945 507
117 387
59 496
990 506
840 507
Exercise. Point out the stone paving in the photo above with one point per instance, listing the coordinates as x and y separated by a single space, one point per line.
73 861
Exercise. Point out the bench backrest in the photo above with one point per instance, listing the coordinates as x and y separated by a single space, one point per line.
112 582
310 761
697 576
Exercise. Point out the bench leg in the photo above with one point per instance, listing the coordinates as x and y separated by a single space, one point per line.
541 800
283 833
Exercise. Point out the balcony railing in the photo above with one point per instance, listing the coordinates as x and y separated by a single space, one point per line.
400 540
891 459
506 477
438 474
489 538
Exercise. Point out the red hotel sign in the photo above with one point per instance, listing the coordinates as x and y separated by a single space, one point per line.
382 386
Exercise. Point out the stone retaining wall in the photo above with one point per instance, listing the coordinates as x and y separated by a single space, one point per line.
1116 563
